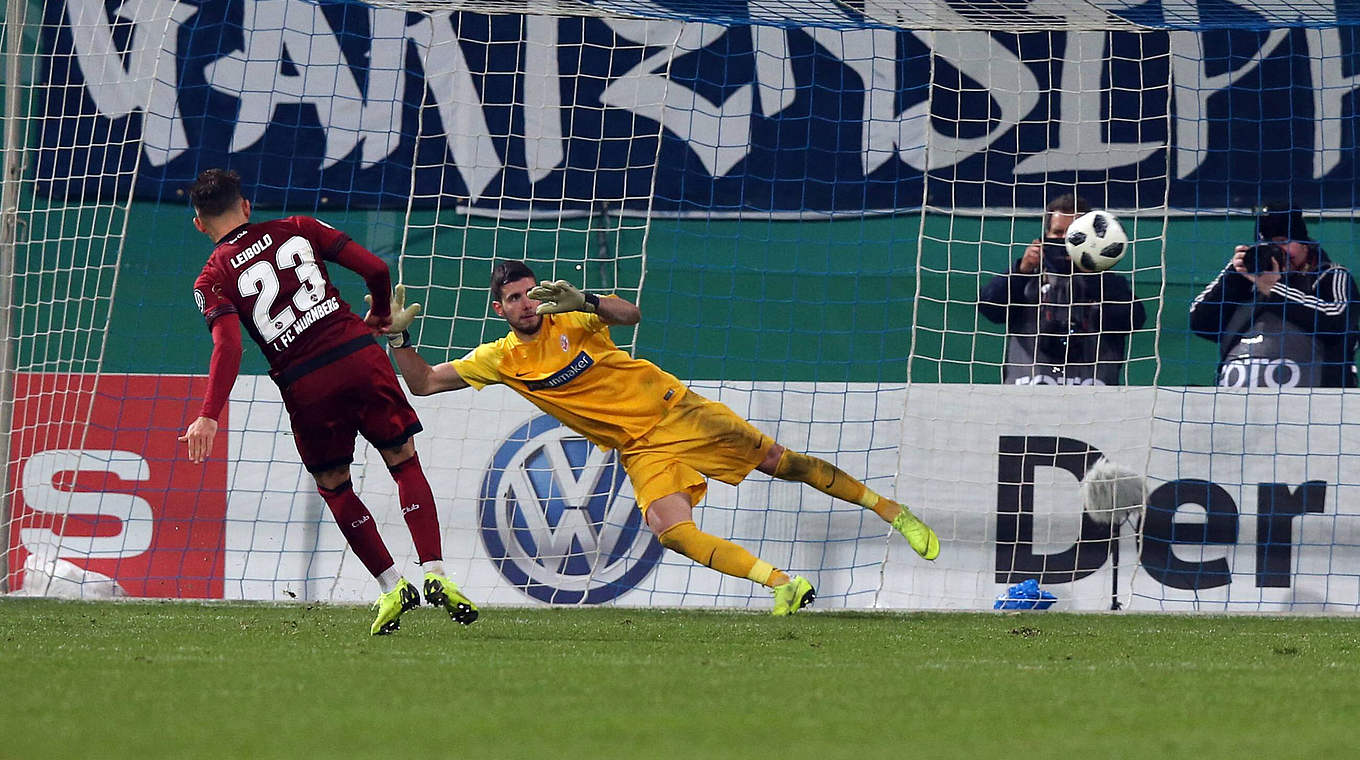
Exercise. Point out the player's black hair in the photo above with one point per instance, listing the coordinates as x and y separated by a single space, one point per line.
505 273
215 191
1067 203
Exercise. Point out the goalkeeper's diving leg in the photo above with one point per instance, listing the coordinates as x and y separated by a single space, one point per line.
830 479
671 519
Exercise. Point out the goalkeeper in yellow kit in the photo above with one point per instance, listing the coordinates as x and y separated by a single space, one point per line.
559 356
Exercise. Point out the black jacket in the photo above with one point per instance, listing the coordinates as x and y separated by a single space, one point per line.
1062 328
1302 333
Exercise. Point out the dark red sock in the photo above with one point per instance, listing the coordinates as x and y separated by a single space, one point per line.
357 525
417 506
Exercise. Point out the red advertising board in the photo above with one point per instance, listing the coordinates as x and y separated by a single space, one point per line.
100 481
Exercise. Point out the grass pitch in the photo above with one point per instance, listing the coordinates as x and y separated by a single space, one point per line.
181 680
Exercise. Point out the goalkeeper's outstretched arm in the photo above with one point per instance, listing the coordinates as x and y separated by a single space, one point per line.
421 378
618 311
560 296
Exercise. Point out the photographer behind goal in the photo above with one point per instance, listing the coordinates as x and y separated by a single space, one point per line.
1281 311
1062 327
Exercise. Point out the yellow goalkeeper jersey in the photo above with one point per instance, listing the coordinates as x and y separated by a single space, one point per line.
573 371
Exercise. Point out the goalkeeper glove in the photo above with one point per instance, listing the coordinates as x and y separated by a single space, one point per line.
402 317
561 296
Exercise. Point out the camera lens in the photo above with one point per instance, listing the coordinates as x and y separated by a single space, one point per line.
1259 257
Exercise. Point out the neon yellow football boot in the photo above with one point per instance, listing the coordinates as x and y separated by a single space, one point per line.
922 539
390 606
793 596
442 592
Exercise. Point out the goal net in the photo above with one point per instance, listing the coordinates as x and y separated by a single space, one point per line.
825 211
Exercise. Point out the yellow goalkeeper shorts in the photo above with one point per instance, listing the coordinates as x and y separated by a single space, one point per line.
696 440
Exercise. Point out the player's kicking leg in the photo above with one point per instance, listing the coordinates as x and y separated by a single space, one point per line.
418 509
360 530
830 479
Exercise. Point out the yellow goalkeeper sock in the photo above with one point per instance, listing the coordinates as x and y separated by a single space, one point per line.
832 480
720 554
883 507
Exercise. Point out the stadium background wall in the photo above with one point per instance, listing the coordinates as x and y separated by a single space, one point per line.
861 272
808 328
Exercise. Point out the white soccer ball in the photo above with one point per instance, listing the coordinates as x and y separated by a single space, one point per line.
1096 241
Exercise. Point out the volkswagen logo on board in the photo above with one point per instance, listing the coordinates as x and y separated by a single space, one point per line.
558 517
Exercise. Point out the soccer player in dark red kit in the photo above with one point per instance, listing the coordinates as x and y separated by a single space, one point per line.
336 382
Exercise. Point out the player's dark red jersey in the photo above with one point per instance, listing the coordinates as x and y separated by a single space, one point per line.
273 274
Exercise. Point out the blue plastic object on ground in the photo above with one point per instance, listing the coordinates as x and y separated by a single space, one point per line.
1025 595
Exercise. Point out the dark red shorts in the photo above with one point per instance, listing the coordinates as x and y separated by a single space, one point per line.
357 394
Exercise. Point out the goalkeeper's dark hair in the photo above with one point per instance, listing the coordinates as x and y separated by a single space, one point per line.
505 273
215 192
1067 203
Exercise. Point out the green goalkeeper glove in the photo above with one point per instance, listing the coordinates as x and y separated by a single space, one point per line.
402 317
561 296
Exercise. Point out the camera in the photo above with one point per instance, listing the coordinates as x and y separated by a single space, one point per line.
1055 255
1258 257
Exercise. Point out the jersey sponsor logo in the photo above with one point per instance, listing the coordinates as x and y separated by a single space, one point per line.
561 377
558 518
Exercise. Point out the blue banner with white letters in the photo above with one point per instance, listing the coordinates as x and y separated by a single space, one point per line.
343 105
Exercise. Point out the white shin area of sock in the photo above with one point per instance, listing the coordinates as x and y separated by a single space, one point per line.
388 579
